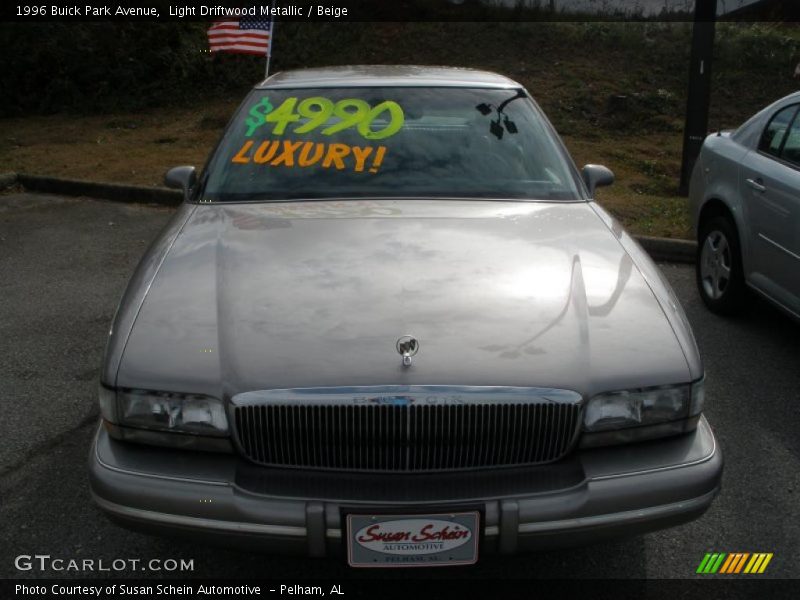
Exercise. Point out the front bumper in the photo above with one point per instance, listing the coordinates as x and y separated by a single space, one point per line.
589 496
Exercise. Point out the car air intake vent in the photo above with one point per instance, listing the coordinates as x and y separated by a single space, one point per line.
402 433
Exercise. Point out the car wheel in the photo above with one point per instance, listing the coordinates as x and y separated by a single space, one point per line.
720 278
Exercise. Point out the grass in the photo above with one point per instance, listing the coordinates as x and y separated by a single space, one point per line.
644 197
118 147
615 92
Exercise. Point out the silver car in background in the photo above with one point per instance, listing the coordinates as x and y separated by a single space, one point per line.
389 323
745 204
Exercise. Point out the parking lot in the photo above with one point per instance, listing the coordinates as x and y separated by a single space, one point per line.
63 265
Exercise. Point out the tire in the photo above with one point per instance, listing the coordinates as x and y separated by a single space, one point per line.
719 273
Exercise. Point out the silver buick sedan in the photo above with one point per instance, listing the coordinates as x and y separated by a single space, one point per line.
389 324
745 202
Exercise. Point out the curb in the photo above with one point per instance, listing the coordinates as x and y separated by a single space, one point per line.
661 249
669 250
107 191
7 180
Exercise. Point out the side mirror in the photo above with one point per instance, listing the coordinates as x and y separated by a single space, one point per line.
181 178
597 176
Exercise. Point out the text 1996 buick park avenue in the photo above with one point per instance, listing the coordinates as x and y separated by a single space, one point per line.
389 324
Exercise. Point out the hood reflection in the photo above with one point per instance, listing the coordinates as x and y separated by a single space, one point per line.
498 293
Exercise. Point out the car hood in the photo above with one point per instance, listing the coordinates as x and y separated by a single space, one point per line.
306 294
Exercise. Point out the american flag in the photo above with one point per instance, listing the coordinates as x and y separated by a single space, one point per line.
248 35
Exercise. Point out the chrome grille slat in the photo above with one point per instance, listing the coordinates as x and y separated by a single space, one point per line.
291 418
492 436
340 447
405 438
428 420
505 434
536 450
511 447
288 434
523 434
461 433
467 438
547 429
554 430
261 418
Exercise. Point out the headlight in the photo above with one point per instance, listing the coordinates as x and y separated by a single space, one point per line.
633 415
156 418
166 411
632 408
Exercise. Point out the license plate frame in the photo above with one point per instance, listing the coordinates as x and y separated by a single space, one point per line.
413 539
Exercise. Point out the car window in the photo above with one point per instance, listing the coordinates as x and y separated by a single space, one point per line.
390 142
775 131
791 145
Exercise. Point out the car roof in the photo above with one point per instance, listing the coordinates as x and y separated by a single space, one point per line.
749 132
387 76
792 96
785 101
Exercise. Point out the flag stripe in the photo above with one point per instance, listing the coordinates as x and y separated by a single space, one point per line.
239 48
260 34
244 40
242 45
237 30
244 36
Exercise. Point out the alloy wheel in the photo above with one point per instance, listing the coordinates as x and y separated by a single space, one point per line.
715 265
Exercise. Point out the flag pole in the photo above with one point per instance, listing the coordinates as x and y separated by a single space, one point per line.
271 36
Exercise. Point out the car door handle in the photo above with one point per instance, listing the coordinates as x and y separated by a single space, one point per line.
757 185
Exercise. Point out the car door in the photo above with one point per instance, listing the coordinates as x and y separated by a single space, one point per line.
770 187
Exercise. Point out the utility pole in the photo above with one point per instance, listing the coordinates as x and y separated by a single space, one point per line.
699 91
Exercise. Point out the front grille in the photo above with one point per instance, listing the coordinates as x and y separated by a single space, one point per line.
406 438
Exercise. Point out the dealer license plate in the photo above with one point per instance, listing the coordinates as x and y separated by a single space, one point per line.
436 540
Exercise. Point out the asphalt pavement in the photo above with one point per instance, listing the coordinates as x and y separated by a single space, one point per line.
64 263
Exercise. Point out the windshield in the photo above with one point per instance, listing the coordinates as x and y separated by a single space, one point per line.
389 142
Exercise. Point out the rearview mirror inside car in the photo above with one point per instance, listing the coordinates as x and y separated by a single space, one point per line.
597 176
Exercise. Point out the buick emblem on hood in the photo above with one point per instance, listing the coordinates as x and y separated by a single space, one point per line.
407 346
